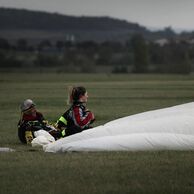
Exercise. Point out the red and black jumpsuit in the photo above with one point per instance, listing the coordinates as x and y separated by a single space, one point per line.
76 119
29 123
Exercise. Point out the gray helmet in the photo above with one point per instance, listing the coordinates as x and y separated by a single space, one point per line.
27 104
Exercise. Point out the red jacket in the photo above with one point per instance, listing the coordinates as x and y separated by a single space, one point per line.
76 119
81 117
38 117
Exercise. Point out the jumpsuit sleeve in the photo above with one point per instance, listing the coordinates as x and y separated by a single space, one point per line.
81 118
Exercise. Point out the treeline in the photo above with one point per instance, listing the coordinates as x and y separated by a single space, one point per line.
135 56
15 22
27 19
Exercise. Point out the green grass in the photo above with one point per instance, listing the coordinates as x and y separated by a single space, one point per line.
110 96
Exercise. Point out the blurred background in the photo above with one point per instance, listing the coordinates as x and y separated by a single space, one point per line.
111 36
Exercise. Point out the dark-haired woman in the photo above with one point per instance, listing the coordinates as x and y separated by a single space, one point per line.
77 118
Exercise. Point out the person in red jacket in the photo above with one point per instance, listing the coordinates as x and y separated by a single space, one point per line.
77 118
31 120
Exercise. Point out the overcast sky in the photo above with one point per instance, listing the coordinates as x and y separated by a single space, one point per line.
179 14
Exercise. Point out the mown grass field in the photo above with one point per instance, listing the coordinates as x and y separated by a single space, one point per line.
30 170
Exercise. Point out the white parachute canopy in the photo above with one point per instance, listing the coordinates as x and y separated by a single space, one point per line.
164 129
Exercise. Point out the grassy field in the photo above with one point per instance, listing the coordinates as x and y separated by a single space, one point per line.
30 170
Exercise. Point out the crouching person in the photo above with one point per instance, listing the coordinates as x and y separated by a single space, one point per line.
31 120
77 118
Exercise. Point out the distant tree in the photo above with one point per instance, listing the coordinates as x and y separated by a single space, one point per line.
68 44
155 53
8 60
113 45
180 59
169 32
87 45
88 48
140 51
60 45
2 59
171 58
44 60
44 44
22 44
120 69
4 44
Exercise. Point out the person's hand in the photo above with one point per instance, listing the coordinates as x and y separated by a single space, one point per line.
45 122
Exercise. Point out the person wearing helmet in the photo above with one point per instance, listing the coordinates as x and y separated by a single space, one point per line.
77 118
31 120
